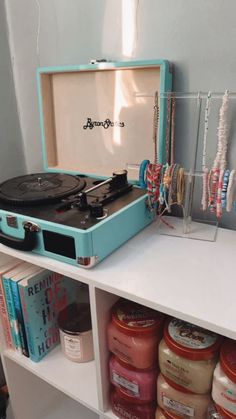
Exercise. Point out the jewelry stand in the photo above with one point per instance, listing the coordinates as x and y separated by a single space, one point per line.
195 136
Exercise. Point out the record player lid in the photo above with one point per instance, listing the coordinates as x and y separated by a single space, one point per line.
99 118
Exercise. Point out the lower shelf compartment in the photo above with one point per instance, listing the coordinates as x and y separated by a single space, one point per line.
77 381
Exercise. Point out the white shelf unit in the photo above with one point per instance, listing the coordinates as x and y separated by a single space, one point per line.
190 279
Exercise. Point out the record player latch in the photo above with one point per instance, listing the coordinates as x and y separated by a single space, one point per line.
28 225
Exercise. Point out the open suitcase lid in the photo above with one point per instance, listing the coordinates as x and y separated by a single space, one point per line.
98 118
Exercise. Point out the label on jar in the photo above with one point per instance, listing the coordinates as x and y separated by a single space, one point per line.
178 407
132 387
73 347
229 400
137 316
191 336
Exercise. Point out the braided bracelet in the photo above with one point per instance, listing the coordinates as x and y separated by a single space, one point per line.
180 186
219 194
153 184
212 188
173 186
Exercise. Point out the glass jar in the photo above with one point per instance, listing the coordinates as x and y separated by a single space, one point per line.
134 333
135 383
223 414
224 382
161 414
76 332
181 403
188 355
125 407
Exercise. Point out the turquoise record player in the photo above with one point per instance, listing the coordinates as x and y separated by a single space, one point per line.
97 127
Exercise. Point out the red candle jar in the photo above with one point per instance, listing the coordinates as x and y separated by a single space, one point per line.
137 384
224 414
224 383
125 407
134 333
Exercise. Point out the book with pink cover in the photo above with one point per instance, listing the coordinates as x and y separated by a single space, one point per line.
6 264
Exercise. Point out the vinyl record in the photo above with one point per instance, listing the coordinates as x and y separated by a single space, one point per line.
40 188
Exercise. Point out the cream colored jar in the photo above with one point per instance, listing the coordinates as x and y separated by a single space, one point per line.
188 356
182 404
224 383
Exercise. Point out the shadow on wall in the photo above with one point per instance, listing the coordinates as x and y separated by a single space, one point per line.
12 160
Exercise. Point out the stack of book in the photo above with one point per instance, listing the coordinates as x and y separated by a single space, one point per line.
30 300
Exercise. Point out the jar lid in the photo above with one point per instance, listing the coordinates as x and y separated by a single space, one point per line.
224 413
168 415
136 319
132 400
190 341
130 367
228 359
75 318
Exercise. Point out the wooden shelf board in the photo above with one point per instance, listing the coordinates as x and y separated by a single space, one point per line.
78 381
191 279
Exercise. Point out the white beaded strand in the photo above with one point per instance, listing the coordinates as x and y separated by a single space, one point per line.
220 160
206 125
204 168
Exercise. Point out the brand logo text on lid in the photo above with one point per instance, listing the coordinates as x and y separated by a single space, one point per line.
105 124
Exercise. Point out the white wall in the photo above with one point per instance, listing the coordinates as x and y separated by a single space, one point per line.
12 161
197 36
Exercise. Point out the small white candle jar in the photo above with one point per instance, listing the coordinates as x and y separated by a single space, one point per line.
76 332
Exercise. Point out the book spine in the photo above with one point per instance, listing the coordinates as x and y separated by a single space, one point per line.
29 336
11 313
19 317
5 320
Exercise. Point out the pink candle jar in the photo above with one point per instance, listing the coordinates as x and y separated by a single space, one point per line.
137 384
188 355
125 407
181 403
134 333
224 382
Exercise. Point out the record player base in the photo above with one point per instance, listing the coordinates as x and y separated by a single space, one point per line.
83 248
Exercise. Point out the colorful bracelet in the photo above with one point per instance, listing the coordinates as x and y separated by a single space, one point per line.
231 190
219 194
224 188
213 187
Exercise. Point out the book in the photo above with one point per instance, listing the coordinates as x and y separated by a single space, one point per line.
42 297
6 278
17 314
6 263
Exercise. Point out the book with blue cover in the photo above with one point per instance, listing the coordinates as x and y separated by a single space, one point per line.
6 279
42 297
17 314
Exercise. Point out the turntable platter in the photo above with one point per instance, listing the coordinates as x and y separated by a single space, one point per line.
40 188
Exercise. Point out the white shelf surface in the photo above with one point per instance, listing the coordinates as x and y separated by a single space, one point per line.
190 279
78 381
